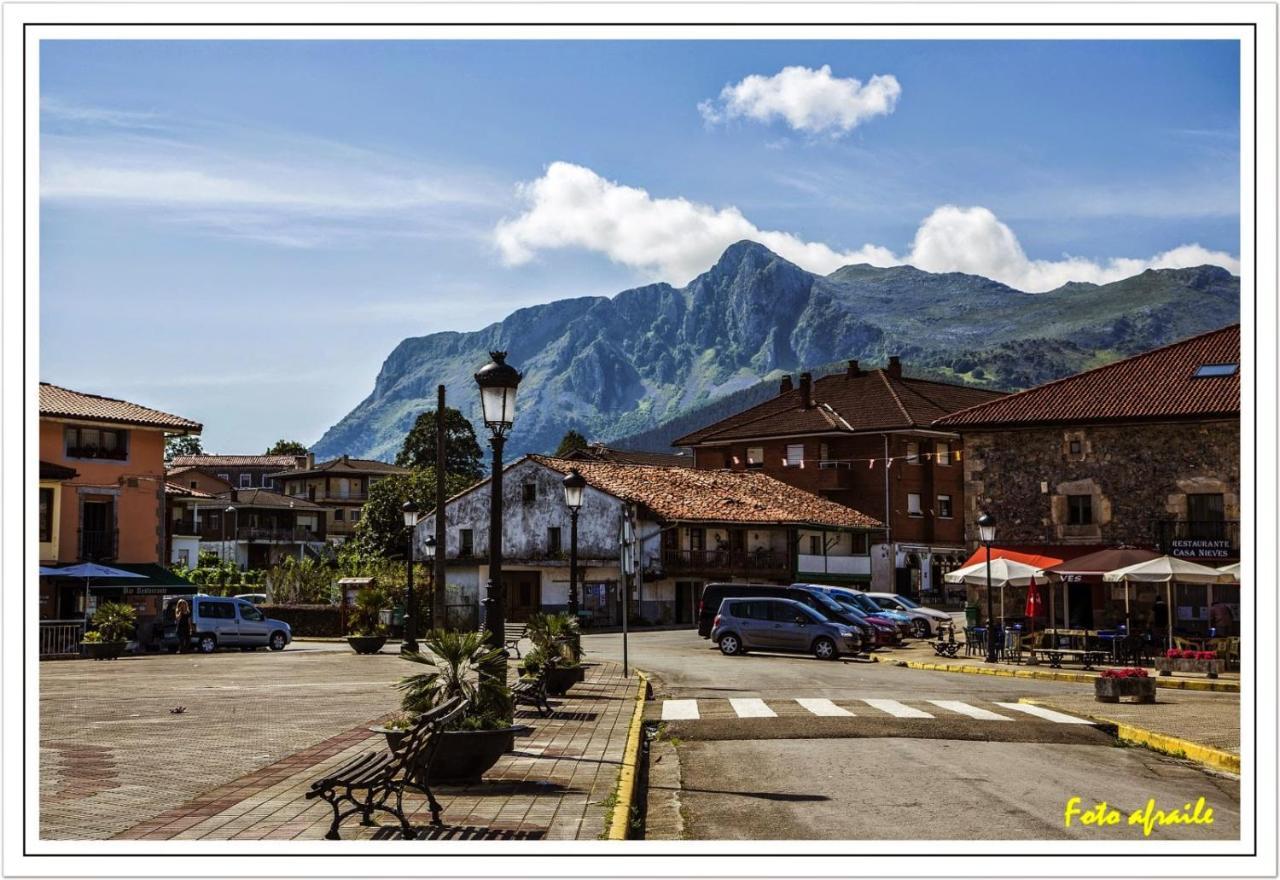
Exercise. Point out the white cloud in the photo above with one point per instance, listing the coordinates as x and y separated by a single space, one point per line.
811 101
675 239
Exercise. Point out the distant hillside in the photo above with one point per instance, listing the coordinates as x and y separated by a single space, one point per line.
656 361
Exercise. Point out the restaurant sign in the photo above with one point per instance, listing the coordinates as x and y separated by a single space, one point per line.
1201 548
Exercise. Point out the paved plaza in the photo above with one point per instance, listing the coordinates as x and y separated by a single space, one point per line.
118 760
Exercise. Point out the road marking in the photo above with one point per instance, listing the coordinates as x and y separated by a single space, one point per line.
680 710
1046 714
896 709
971 711
825 708
751 707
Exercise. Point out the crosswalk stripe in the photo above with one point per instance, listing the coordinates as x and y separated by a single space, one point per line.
680 710
751 707
971 711
826 708
896 709
1046 714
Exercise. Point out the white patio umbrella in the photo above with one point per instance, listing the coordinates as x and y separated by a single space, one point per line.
1163 570
1004 573
1233 569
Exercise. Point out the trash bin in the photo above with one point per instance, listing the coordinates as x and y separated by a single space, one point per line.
971 614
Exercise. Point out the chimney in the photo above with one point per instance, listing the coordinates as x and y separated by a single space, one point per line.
345 458
806 390
786 384
311 460
895 367
854 370
300 462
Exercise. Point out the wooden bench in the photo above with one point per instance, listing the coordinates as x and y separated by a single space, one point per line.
532 691
512 633
1055 656
379 775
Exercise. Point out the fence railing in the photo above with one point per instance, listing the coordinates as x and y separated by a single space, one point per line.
97 544
60 638
724 560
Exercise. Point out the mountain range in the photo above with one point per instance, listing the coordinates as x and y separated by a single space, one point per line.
648 364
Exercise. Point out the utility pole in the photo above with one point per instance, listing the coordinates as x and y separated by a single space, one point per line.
439 610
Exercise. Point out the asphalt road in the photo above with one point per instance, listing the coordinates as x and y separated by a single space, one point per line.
853 749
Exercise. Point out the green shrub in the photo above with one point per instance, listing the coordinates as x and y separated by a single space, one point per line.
114 620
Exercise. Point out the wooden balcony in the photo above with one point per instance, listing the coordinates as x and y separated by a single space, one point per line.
720 563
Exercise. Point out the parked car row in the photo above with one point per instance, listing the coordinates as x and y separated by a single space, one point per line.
823 620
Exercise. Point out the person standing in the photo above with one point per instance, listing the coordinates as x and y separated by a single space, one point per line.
182 622
1160 617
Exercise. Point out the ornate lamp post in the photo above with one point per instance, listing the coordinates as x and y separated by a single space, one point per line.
409 644
429 551
230 510
987 534
498 381
574 483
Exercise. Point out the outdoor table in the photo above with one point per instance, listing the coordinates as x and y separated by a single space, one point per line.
1113 639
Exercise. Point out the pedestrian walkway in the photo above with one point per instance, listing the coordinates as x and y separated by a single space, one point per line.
754 708
556 784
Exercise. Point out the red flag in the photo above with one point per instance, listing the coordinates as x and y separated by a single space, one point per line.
1034 606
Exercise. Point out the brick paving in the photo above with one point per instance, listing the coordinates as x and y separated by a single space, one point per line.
258 728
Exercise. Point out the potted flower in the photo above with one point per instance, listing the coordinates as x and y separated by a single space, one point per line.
113 623
1186 660
456 668
367 633
1113 684
557 651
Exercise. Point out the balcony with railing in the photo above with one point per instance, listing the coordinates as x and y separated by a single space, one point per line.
98 545
749 563
1199 539
277 533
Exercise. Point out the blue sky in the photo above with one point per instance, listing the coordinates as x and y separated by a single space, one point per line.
264 221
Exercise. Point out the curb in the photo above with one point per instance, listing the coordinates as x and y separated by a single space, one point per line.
1177 747
621 818
1185 684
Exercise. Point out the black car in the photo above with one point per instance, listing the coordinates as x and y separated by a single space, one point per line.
828 608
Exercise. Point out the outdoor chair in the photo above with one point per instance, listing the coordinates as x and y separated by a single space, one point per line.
368 781
532 691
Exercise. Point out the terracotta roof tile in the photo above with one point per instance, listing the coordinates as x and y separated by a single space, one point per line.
261 498
184 492
1158 384
681 494
600 452
347 465
58 402
202 461
870 401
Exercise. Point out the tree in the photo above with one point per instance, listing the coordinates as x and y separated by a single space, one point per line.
286 447
381 530
188 444
571 442
462 455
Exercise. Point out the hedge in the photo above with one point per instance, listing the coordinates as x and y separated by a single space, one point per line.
307 620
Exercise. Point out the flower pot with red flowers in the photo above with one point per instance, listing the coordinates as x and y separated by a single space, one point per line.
1133 682
1183 660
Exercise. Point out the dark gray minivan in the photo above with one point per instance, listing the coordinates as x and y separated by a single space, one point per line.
767 624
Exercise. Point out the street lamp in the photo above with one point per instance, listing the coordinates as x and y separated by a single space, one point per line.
574 483
498 381
409 643
987 534
429 551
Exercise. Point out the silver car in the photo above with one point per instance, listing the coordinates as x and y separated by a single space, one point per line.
924 620
781 625
226 622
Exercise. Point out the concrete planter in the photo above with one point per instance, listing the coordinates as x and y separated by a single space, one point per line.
366 644
104 650
1110 690
561 678
1170 665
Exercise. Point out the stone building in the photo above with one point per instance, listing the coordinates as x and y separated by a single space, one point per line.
1143 452
865 439
689 526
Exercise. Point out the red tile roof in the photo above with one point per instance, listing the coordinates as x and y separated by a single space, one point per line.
347 465
183 491
202 461
680 494
260 498
1159 384
870 401
600 452
63 403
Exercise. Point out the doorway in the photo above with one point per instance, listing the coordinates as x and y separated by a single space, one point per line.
524 594
97 531
687 595
1080 606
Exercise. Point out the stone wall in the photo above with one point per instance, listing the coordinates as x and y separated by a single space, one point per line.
1134 474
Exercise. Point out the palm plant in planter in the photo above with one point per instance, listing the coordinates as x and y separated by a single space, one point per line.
367 633
113 623
456 669
557 651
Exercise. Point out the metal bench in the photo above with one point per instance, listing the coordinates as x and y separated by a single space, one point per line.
512 633
533 692
379 775
1055 656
